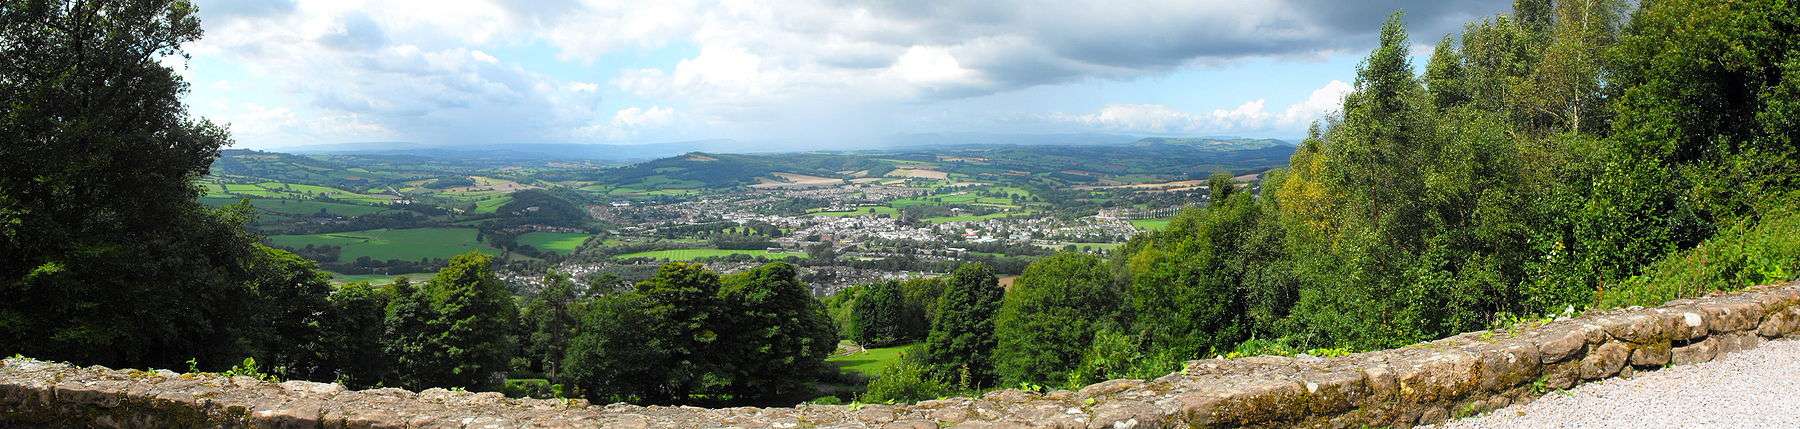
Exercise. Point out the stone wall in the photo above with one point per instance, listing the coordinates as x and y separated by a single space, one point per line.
1424 383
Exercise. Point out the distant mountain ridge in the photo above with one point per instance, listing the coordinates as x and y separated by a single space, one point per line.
652 151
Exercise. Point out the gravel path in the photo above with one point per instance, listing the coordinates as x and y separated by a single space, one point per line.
1759 388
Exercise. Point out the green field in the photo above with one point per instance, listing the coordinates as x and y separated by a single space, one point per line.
385 244
491 205
559 242
869 362
864 211
280 190
377 279
1150 224
296 207
692 254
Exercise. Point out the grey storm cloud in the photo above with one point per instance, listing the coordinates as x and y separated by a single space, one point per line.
1054 42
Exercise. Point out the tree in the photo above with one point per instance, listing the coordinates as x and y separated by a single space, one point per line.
550 322
417 358
879 316
106 256
351 335
777 335
681 304
1048 318
476 313
291 299
618 355
961 343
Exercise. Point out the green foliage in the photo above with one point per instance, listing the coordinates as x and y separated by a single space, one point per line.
1049 315
619 355
1743 254
351 335
910 379
961 343
476 314
550 323
106 257
881 317
531 388
776 335
417 357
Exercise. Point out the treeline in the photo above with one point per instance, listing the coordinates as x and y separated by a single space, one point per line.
1572 155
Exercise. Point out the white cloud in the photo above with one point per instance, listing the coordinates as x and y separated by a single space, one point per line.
1326 101
1251 116
635 117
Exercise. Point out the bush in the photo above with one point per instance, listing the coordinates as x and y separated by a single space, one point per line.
909 379
531 388
1744 254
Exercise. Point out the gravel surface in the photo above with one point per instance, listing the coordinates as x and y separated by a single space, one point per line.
1758 388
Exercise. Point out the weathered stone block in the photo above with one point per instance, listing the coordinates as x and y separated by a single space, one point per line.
1656 354
1562 375
1702 351
1559 342
1605 360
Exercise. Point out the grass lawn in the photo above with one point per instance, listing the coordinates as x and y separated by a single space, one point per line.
385 244
1150 224
864 211
559 242
869 362
692 254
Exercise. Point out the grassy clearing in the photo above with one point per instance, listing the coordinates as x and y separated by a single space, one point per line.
869 362
692 254
559 242
1150 224
385 244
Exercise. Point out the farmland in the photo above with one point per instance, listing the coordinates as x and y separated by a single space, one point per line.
692 254
559 242
385 244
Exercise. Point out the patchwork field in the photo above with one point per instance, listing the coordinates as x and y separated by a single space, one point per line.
692 254
287 207
385 244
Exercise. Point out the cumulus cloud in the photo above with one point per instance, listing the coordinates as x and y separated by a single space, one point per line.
1251 116
428 70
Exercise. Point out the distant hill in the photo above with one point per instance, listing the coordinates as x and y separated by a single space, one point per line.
717 170
1222 143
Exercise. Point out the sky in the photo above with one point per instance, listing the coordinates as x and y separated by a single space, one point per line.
816 73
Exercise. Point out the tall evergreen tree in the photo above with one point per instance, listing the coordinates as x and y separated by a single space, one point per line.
476 313
879 316
961 344
550 322
417 358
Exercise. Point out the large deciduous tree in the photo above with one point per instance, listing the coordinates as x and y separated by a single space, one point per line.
106 257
